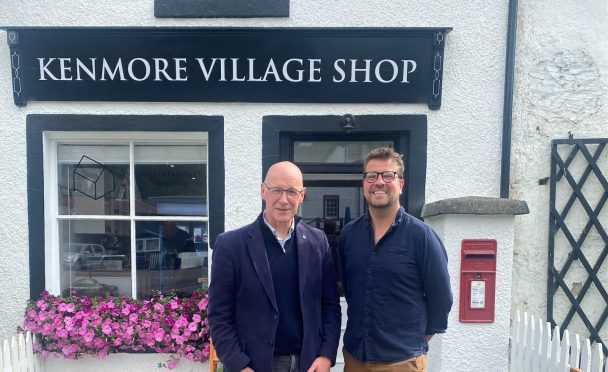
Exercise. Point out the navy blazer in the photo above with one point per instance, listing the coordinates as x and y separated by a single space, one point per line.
243 314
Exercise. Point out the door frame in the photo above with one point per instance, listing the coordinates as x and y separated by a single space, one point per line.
408 131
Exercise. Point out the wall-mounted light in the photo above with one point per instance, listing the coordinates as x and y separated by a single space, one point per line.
348 123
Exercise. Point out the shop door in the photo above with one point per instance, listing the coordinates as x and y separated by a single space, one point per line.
331 156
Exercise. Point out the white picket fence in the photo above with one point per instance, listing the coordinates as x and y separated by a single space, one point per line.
534 350
17 355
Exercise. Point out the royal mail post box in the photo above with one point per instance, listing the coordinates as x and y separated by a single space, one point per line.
477 280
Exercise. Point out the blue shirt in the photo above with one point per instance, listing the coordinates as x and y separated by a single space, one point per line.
397 291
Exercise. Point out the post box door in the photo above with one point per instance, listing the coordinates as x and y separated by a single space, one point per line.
477 280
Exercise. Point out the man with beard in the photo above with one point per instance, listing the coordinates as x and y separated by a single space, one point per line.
395 277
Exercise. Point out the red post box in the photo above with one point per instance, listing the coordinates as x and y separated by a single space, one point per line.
477 280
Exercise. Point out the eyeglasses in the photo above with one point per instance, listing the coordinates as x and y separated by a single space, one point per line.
372 177
278 192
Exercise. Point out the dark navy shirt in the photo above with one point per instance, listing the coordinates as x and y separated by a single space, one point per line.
397 291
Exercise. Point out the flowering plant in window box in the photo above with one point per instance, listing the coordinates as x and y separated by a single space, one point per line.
79 325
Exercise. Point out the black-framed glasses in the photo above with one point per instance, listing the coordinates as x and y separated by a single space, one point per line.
387 176
277 191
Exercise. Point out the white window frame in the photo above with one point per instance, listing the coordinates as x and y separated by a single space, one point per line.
51 140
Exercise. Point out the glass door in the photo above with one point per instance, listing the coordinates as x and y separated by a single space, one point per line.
332 168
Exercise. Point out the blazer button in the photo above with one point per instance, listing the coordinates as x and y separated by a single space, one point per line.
275 316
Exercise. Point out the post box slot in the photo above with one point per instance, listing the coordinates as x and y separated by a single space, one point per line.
480 254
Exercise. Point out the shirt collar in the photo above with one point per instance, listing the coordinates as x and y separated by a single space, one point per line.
274 231
398 218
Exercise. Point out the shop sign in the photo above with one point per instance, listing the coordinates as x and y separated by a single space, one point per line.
228 65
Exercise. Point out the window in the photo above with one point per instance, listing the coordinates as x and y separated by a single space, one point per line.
125 212
99 214
331 206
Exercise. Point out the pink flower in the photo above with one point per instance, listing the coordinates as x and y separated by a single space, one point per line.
172 363
159 334
78 325
106 329
133 317
42 305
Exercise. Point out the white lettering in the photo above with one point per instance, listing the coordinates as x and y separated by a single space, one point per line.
379 75
179 68
354 70
65 68
112 73
223 69
235 68
80 66
158 69
146 65
44 69
272 69
299 71
314 69
251 72
339 70
406 71
206 72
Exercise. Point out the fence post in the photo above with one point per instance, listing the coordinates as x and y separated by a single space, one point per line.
7 357
597 362
586 356
529 341
575 352
545 354
563 364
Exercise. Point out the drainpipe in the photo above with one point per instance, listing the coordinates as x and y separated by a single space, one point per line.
507 111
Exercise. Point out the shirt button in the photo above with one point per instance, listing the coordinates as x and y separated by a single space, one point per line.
275 316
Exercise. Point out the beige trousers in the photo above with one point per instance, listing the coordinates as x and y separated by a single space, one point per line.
415 364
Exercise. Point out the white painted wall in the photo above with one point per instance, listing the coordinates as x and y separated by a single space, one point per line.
561 87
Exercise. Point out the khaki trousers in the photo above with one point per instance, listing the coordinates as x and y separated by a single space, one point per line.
415 364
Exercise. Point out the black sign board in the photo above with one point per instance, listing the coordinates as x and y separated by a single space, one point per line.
302 65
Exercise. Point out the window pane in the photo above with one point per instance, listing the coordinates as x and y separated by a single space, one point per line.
171 180
335 152
171 255
95 257
347 203
93 179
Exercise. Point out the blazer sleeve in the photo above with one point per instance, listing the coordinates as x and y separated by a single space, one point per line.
330 306
221 311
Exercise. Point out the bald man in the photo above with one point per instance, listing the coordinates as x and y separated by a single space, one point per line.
273 300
